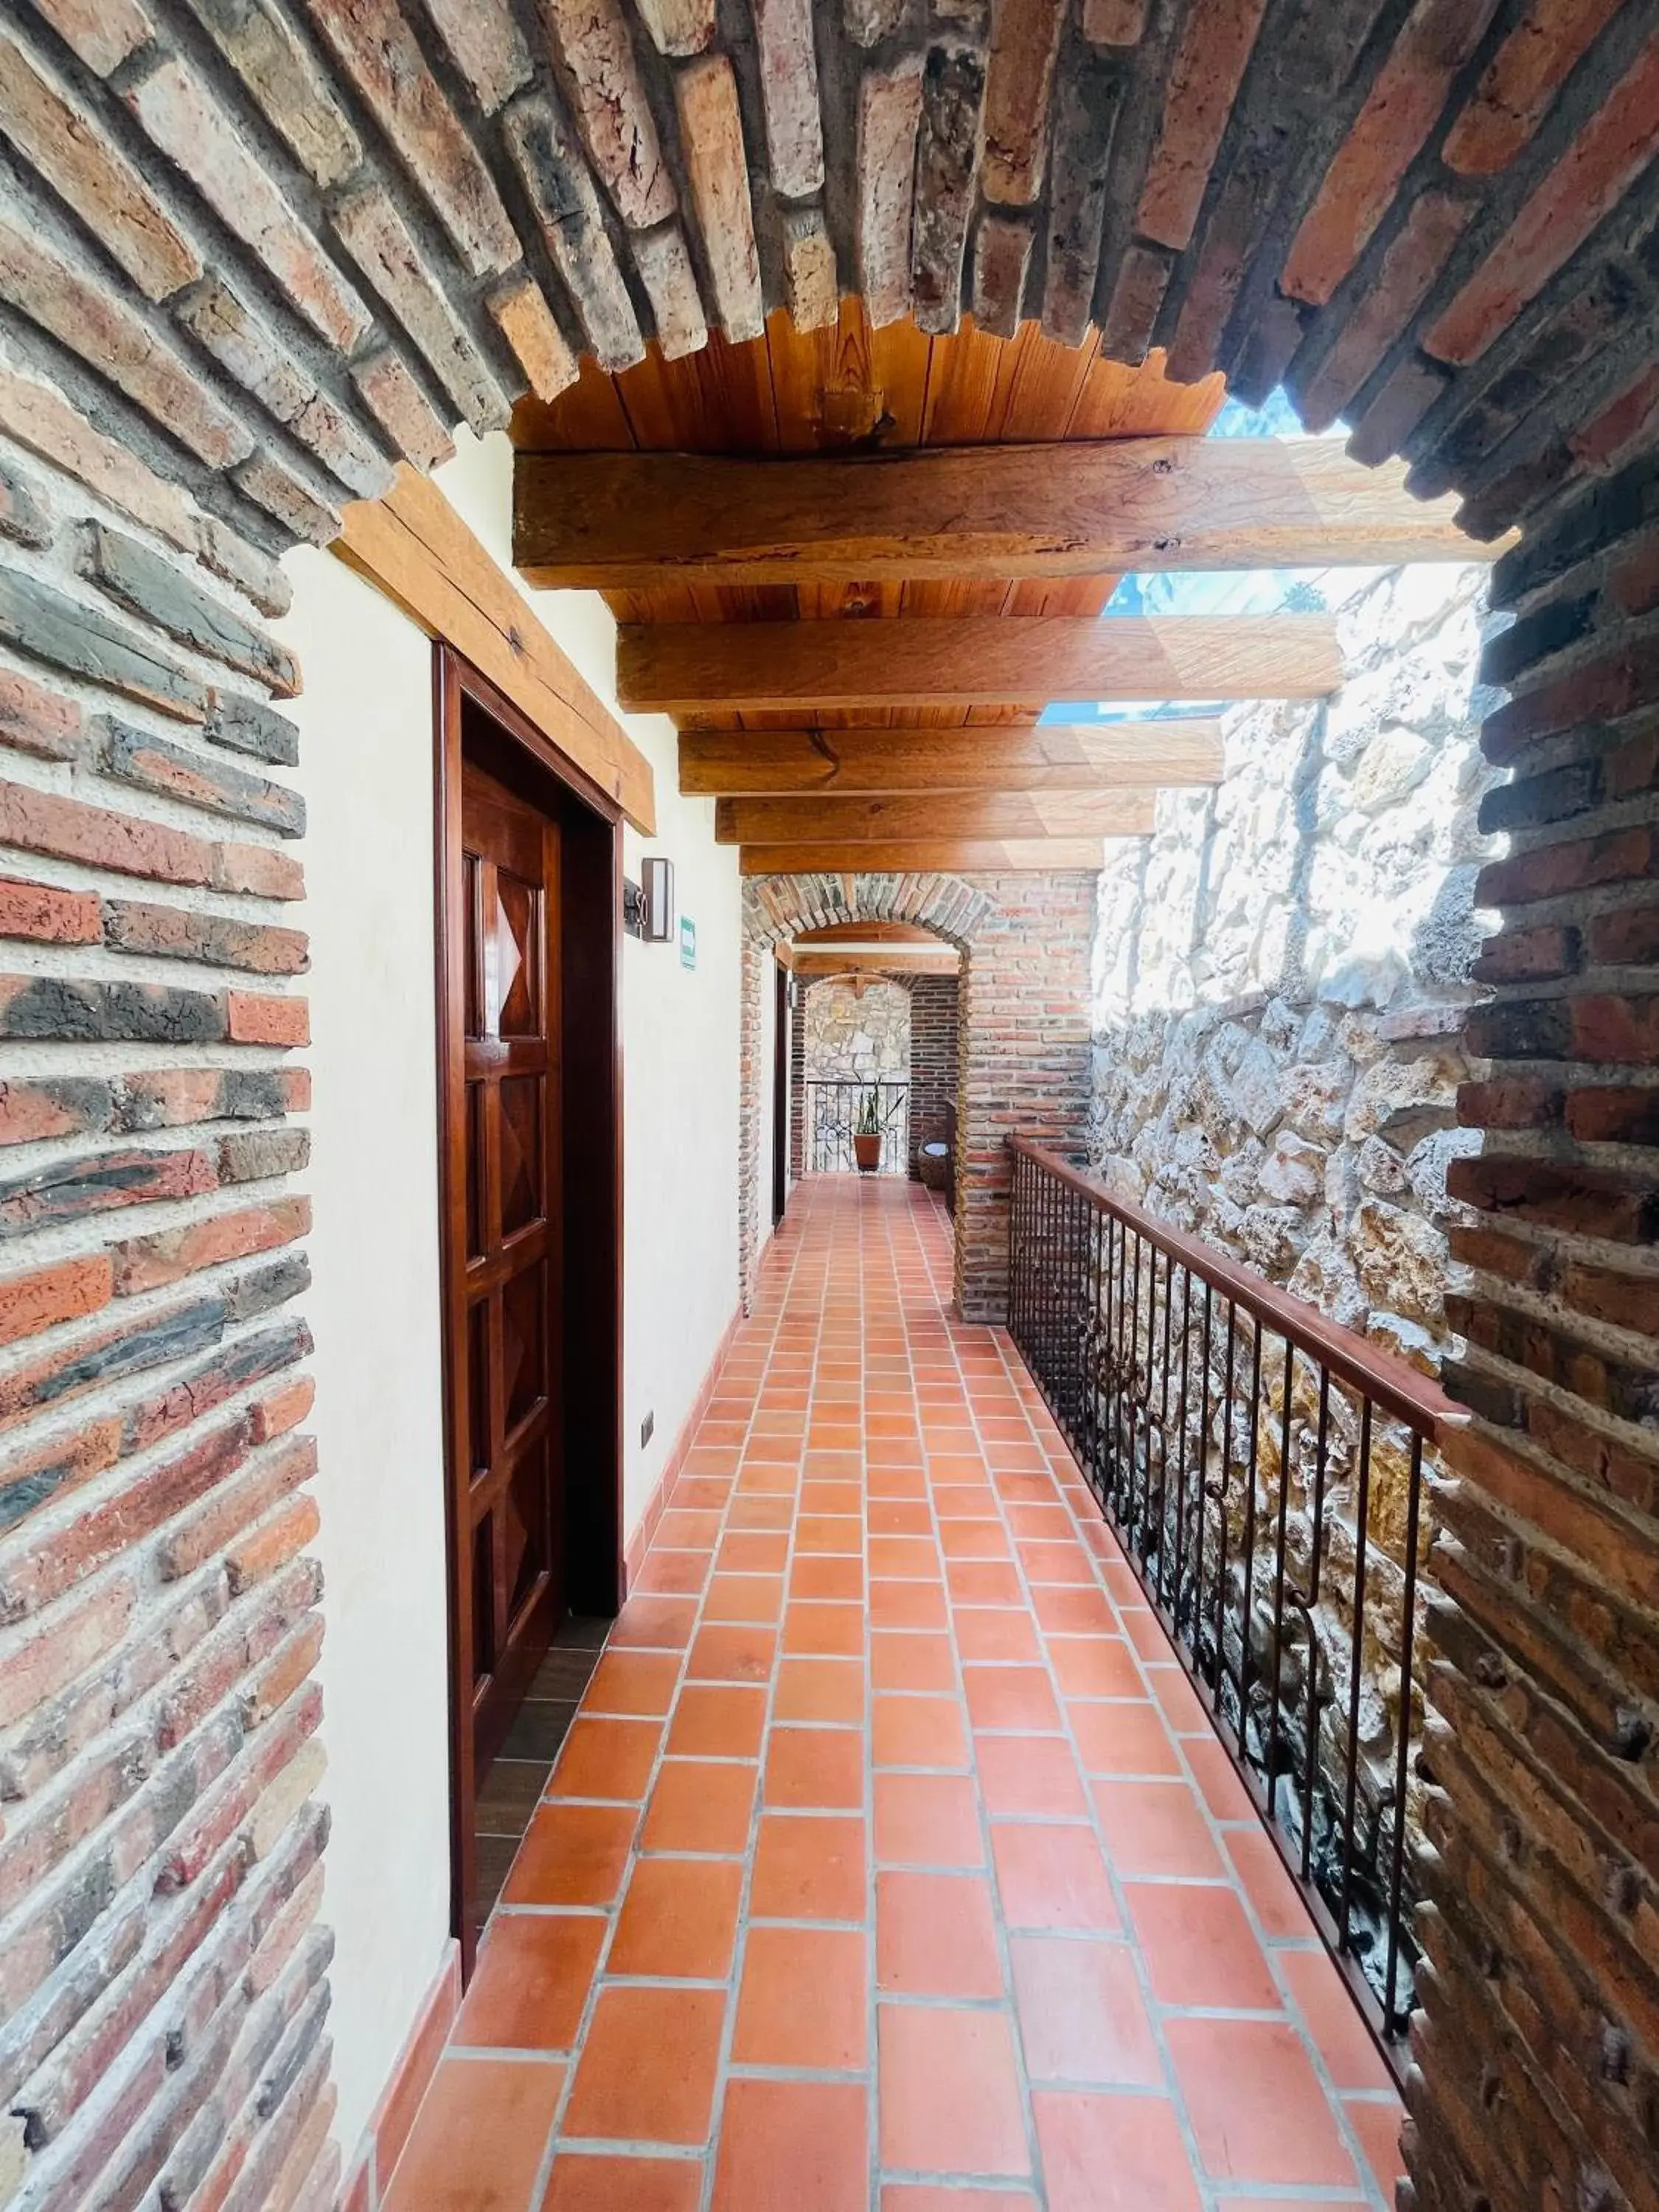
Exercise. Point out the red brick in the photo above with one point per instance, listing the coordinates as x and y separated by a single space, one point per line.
1591 177
1522 1102
56 1563
1634 580
1575 864
75 1642
1624 425
282 1676
49 1294
1477 1246
33 721
272 1544
1605 1028
230 1805
1205 77
1401 108
1628 936
48 1470
1614 1114
258 1019
1414 257
237 1505
1528 956
283 1409
1593 1202
258 871
1523 78
49 914
69 830
280 1939
144 1263
1628 1301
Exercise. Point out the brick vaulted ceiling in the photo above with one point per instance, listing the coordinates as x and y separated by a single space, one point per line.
288 241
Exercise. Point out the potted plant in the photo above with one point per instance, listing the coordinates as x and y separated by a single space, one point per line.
866 1137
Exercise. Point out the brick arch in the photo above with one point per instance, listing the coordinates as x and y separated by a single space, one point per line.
1024 1056
775 908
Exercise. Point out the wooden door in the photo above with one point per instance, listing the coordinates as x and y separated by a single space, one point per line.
780 1055
503 1121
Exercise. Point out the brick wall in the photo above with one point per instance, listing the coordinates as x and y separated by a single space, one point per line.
162 1978
1539 2048
934 1058
1024 1033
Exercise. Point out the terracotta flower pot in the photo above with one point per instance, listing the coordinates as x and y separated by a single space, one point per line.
867 1152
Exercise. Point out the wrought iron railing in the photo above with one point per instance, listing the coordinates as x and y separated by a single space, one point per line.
833 1110
1264 1468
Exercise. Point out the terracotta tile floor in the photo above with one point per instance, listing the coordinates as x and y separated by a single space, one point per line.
889 1865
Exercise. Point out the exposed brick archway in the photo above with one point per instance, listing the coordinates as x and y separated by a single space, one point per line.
1026 943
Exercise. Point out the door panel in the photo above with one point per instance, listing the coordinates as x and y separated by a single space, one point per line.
508 1382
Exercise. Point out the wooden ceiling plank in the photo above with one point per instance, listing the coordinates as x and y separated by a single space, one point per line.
735 667
924 855
868 932
1053 757
1000 814
997 513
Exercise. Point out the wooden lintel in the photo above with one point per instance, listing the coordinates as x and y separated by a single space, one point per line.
972 660
940 814
942 961
867 932
635 521
923 855
414 547
1049 756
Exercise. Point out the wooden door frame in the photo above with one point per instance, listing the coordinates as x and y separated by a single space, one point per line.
591 1176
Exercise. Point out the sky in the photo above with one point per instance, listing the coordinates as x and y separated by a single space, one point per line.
1228 592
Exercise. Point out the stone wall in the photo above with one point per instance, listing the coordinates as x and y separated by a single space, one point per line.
857 1029
1284 969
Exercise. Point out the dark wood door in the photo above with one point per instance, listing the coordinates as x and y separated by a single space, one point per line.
504 1118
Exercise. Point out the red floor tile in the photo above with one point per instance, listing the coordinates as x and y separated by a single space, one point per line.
699 1805
935 1936
820 1690
814 1770
809 1867
927 1821
573 1855
717 1720
919 1731
1011 1698
479 2137
1155 1828
586 2182
531 1981
1255 2104
949 2096
679 1920
1200 1948
1333 2019
606 1759
805 2144
1053 1877
1036 1776
1113 2154
1082 2015
648 2067
804 1999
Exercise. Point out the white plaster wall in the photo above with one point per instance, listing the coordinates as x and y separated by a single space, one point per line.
680 1037
366 771
366 717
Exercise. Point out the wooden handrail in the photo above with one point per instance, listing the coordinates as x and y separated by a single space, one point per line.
1390 1382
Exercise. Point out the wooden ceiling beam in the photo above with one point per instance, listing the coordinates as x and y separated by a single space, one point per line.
1050 756
687 668
942 814
637 522
924 855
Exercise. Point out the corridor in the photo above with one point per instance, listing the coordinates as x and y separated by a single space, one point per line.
890 1860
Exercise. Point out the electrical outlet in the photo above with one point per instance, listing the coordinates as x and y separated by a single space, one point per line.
648 1429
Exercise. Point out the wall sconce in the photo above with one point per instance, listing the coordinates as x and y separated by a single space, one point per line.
658 891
